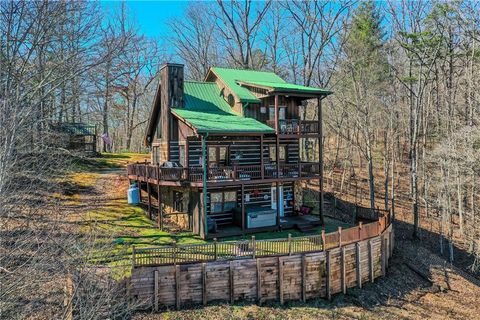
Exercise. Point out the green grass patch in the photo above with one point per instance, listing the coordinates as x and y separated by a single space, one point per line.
125 226
107 161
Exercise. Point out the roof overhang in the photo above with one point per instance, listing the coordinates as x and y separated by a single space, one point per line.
272 89
153 119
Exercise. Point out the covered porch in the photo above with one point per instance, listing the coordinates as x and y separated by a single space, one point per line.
252 208
308 223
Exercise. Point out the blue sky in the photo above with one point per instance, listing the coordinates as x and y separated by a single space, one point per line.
151 16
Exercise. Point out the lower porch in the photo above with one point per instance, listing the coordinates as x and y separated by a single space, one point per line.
307 223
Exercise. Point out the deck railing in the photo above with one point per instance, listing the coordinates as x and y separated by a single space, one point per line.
146 171
228 250
294 126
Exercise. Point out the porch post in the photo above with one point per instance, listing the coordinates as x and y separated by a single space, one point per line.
243 208
159 198
262 168
277 160
276 113
149 193
204 164
320 159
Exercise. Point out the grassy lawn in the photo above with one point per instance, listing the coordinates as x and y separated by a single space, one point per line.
108 161
119 226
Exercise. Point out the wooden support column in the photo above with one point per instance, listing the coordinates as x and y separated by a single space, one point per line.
262 165
276 114
187 158
243 208
320 158
358 269
204 182
259 282
159 198
149 194
139 185
277 161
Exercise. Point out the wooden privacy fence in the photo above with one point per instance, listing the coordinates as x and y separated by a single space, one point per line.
282 278
228 250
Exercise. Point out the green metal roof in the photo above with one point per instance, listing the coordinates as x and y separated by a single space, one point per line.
232 76
207 111
288 87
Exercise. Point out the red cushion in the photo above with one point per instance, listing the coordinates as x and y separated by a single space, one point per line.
305 210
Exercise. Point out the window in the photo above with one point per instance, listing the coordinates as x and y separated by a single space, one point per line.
230 200
181 155
217 155
282 155
281 112
216 202
178 201
223 201
231 100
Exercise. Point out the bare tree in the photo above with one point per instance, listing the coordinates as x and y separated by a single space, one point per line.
239 24
194 38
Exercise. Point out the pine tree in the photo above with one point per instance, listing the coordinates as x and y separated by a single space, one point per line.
363 77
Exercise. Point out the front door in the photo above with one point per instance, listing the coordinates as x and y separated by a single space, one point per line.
274 200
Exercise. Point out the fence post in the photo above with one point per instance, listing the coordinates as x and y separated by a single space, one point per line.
360 225
253 247
323 240
289 244
133 256
358 261
204 283
215 252
370 261
155 289
328 283
175 252
339 236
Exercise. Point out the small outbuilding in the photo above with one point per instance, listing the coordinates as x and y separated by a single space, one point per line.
80 137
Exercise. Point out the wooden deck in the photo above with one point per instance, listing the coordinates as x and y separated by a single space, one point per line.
223 175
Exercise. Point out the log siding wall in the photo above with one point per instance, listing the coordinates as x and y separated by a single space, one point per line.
281 278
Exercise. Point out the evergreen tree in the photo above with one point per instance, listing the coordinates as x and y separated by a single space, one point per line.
364 71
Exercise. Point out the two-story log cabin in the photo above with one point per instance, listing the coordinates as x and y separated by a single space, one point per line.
230 153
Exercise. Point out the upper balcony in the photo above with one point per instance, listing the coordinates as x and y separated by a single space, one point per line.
296 126
223 174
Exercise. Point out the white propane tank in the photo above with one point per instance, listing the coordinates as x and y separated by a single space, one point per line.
133 194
